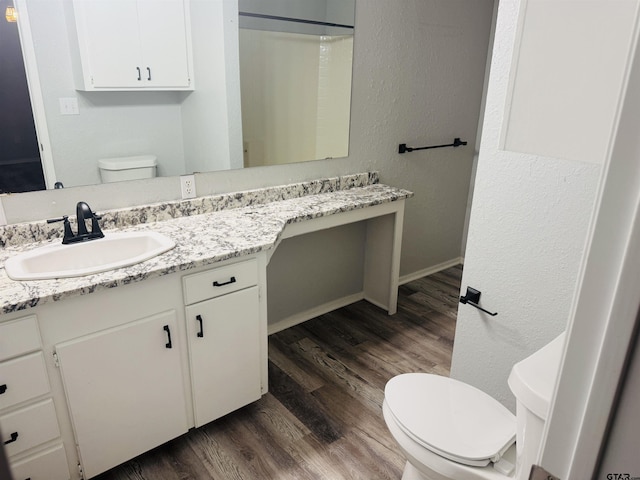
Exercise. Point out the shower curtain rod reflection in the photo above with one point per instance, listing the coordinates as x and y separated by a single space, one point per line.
288 19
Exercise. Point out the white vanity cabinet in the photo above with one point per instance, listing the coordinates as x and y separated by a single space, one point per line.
224 338
132 44
28 420
124 390
98 379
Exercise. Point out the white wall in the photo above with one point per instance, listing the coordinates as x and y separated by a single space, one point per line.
533 205
211 123
417 78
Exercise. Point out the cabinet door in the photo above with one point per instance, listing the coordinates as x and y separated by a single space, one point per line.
110 42
163 40
124 390
224 347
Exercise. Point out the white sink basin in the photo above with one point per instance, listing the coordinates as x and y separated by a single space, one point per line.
115 250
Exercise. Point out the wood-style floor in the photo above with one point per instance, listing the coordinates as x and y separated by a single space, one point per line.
322 417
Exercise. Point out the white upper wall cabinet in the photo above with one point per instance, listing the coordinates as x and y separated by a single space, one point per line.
132 44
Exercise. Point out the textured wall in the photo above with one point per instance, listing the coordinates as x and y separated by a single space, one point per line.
531 211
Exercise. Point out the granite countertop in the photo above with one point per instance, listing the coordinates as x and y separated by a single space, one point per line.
201 239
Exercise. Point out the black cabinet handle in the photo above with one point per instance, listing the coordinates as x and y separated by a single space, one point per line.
3 388
148 73
166 329
217 284
14 437
139 73
201 332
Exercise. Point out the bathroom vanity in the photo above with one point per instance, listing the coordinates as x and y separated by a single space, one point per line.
96 370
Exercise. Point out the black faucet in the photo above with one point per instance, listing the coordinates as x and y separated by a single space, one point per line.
83 213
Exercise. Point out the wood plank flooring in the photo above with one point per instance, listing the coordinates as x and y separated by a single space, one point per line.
322 417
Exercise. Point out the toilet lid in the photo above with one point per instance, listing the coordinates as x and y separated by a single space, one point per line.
450 418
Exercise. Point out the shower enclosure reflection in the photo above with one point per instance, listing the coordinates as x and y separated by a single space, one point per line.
295 79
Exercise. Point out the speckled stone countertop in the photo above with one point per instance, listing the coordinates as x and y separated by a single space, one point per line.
206 230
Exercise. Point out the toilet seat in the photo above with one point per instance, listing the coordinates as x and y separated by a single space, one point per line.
450 418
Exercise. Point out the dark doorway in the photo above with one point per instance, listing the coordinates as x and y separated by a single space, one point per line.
20 164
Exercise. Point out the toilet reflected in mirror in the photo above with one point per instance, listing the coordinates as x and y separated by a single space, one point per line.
127 168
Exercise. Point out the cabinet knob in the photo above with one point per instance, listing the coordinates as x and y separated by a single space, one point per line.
148 74
3 388
139 74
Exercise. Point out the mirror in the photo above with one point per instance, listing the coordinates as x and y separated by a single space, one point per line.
199 130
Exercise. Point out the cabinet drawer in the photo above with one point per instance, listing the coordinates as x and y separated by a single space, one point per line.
22 379
48 465
219 281
30 426
18 337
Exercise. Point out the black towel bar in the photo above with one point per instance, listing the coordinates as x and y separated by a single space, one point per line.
402 148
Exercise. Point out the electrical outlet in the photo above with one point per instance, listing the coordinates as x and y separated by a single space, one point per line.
188 186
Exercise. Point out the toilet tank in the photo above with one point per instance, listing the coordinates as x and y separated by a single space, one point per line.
532 381
127 168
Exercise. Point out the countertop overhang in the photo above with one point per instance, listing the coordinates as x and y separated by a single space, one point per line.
201 240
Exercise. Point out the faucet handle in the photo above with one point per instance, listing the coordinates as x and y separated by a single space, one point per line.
68 233
95 227
64 218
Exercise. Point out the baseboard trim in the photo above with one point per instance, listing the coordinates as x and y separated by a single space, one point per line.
431 270
313 312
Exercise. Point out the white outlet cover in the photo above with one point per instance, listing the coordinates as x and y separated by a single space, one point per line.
188 186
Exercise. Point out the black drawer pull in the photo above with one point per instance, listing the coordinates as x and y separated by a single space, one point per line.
3 388
201 332
14 437
217 284
166 329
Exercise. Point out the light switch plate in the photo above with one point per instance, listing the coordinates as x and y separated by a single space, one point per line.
69 106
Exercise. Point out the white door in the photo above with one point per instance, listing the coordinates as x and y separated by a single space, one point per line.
125 391
224 345
163 40
111 40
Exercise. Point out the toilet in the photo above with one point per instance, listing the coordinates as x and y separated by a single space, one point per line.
119 169
449 430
